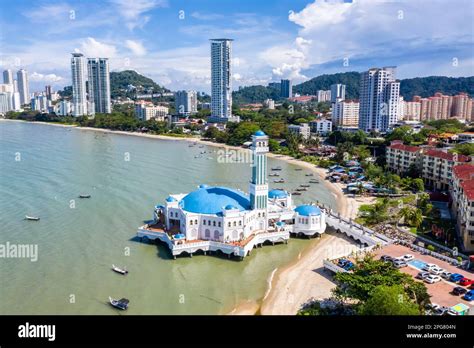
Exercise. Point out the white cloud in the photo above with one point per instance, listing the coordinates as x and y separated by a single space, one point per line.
48 13
206 16
133 11
136 47
93 48
51 78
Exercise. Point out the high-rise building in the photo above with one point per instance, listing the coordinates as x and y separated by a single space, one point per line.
48 91
23 86
79 84
324 96
99 84
221 80
8 76
379 99
185 102
286 89
338 92
345 113
146 111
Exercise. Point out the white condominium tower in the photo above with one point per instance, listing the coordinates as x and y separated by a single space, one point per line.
99 84
23 88
79 79
221 79
379 99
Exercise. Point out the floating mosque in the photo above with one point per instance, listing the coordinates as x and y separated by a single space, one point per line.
216 219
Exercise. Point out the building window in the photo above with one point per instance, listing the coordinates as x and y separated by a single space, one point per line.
191 222
219 224
229 224
214 223
235 223
195 222
207 233
240 223
204 222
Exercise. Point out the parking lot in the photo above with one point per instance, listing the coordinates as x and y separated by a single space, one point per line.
439 291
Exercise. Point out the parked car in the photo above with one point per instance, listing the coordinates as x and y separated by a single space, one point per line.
458 290
442 310
431 279
399 263
342 262
348 266
429 266
408 257
446 275
386 258
455 277
469 296
437 270
422 275
466 282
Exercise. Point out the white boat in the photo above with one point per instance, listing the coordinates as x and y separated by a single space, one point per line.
120 304
122 271
31 218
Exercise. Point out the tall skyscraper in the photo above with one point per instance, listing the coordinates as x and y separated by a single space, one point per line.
379 99
185 102
286 89
221 80
48 91
338 92
79 82
23 86
8 76
99 84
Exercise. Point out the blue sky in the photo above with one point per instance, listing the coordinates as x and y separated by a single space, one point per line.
168 40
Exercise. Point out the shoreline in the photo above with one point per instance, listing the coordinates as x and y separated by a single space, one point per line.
298 274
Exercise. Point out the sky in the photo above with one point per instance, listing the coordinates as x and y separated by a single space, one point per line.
168 40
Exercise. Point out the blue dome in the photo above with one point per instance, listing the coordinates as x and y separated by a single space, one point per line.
259 133
230 207
308 210
277 194
211 200
171 199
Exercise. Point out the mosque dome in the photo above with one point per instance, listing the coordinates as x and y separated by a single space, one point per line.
308 210
212 200
277 194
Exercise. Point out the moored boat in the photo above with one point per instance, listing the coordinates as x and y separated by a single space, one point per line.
314 181
122 271
85 196
32 218
279 181
120 304
310 174
296 193
276 168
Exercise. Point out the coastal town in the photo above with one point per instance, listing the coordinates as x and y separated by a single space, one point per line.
396 156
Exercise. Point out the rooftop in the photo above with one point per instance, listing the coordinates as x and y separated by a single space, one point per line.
463 171
404 147
212 200
308 210
446 155
468 188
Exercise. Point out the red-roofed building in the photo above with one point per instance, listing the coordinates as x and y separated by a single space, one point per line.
401 157
302 99
463 204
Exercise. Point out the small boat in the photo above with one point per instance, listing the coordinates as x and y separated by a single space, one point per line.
302 189
119 270
84 196
276 168
296 193
279 181
273 174
310 174
32 218
120 304
314 181
305 185
298 169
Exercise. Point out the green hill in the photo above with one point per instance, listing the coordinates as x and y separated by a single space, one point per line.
423 86
119 81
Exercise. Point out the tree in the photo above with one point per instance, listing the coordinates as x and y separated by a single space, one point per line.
418 185
273 145
466 149
389 300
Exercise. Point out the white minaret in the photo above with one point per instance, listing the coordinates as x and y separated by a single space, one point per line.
258 185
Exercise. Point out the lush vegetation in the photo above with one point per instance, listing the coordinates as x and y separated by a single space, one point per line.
120 80
350 79
254 94
428 86
375 288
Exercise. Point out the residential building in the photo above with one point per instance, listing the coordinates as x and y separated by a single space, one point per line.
48 92
345 113
400 158
8 76
145 111
39 103
221 81
269 104
442 107
63 108
23 86
321 126
186 102
412 110
338 92
379 99
286 89
462 207
324 96
10 99
99 84
79 83
303 129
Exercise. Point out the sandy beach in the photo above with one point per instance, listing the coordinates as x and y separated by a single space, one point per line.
295 284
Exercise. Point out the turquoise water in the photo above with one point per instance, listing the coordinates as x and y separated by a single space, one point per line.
78 244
